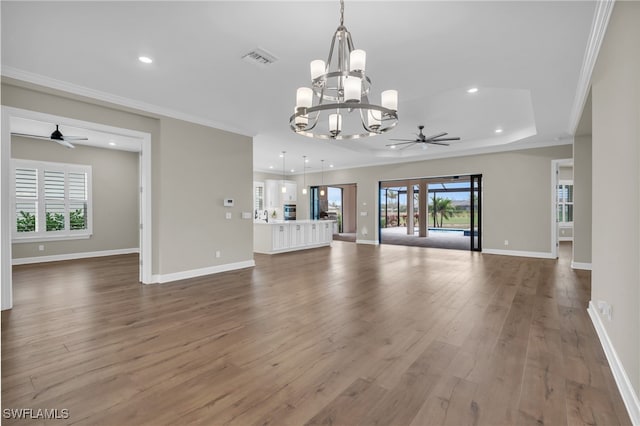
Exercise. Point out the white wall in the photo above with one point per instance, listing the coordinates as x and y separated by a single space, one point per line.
616 182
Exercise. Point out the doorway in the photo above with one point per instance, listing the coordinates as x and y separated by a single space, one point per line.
9 113
337 203
561 203
440 212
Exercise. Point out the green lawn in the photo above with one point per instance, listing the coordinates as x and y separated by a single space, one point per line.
458 220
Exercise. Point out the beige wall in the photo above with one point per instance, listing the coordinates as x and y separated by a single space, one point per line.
516 193
582 199
565 172
616 178
200 167
180 152
114 196
34 98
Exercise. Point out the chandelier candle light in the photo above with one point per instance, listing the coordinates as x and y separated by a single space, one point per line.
341 90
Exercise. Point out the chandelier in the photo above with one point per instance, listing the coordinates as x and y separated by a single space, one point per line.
340 89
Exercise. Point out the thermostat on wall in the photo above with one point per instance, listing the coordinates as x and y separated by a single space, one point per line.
228 202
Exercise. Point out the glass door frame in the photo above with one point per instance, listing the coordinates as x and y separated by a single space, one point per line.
475 242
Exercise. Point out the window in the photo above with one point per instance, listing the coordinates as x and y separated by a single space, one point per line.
52 201
565 202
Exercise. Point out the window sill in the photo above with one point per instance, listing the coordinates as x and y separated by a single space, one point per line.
40 238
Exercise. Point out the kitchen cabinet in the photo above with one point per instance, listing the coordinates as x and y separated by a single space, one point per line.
272 194
280 236
312 233
275 198
325 231
297 231
292 192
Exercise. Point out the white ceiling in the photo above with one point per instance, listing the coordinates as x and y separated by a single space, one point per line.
525 58
100 139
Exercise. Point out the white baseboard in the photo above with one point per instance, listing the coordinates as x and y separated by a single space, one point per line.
370 242
580 265
292 249
165 278
72 256
627 392
537 254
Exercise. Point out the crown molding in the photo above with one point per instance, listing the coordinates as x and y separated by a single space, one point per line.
604 8
64 86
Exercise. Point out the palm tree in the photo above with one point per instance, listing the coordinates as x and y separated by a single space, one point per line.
434 210
445 209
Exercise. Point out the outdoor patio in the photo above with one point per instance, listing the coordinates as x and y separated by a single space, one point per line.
438 238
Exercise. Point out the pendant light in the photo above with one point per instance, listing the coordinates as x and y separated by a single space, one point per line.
304 174
322 177
284 187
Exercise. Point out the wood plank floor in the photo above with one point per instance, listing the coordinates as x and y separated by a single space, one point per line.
353 334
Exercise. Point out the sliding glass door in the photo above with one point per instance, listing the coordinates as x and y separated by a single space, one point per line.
476 212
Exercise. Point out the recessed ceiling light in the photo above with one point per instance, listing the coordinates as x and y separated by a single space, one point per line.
331 165
281 155
145 59
473 90
498 130
392 146
293 170
271 167
306 160
112 143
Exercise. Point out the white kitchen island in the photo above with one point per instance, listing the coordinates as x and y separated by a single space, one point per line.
282 236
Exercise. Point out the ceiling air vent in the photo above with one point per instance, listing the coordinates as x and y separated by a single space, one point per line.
259 57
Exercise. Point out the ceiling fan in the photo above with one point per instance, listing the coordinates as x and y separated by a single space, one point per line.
421 138
56 136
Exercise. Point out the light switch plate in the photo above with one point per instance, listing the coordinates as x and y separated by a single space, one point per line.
246 215
363 213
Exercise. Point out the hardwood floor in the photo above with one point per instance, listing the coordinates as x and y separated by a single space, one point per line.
353 334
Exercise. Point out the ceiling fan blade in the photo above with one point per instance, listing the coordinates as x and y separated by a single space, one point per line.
25 135
406 140
63 143
75 138
443 139
436 136
437 143
403 143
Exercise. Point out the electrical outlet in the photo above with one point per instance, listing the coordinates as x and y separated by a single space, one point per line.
41 247
606 310
227 215
218 254
506 242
